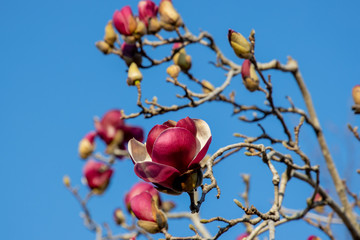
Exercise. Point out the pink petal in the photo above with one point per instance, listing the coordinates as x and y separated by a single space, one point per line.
152 136
137 151
95 175
141 205
139 188
188 124
175 147
200 155
156 173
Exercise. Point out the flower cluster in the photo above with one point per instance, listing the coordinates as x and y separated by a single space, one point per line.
114 133
171 157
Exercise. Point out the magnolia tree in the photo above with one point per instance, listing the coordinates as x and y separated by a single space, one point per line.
173 157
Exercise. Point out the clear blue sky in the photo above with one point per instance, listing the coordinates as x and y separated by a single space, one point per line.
53 81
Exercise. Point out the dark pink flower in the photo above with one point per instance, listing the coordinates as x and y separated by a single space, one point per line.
170 159
113 130
242 236
87 145
140 188
147 10
124 21
131 54
97 175
146 210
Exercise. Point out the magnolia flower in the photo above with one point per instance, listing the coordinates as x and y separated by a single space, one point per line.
170 159
313 237
356 94
148 15
239 44
146 210
114 132
124 21
87 145
140 188
249 76
97 175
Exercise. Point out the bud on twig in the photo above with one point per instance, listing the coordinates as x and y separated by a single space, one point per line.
103 46
356 94
119 216
249 76
134 75
110 34
207 86
173 71
169 17
66 181
239 44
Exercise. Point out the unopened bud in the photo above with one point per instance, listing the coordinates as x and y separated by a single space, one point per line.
169 16
140 29
239 44
87 145
173 71
134 75
182 59
66 181
103 46
154 26
110 34
249 76
356 94
119 216
207 86
167 206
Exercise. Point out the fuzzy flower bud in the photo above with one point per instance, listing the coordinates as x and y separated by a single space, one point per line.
87 145
110 34
169 17
356 94
124 21
249 76
181 58
239 44
134 75
173 71
103 46
148 15
119 216
66 181
207 86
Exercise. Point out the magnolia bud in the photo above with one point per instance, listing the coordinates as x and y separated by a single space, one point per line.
87 145
207 86
356 94
134 75
140 29
103 46
154 26
119 216
131 54
167 206
110 35
124 21
173 71
181 58
169 16
66 181
239 44
249 76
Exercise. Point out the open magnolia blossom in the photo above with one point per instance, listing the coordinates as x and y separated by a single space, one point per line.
172 153
146 209
97 175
